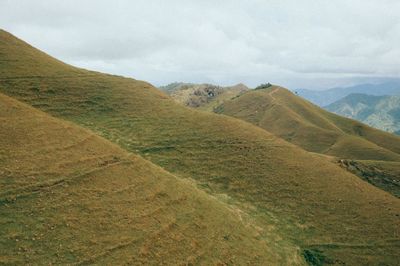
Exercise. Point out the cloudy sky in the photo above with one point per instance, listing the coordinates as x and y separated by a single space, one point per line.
314 44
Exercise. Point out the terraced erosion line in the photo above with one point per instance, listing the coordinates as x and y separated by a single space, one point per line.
92 259
27 190
357 245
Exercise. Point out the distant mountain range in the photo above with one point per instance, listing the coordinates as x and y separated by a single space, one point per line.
326 97
382 112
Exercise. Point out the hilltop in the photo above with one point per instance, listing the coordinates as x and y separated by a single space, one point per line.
298 121
202 96
286 115
382 112
329 213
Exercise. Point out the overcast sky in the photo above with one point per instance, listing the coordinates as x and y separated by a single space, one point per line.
313 44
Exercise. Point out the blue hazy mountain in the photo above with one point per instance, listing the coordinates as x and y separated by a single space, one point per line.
382 112
326 97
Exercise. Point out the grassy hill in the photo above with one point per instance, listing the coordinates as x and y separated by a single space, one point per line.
202 96
383 174
330 213
286 115
382 112
69 196
300 122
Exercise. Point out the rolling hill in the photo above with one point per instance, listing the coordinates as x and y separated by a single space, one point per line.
382 112
326 97
286 115
283 113
69 197
331 214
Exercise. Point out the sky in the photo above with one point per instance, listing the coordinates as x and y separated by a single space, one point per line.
312 44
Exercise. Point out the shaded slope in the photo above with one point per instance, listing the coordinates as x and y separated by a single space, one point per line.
312 201
68 196
283 113
385 175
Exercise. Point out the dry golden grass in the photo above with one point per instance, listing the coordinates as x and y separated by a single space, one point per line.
307 199
281 112
298 121
69 196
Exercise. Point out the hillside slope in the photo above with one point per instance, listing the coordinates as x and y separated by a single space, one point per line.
69 196
382 112
332 214
308 126
383 174
286 115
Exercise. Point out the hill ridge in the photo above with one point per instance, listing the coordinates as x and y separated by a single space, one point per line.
313 200
114 181
295 119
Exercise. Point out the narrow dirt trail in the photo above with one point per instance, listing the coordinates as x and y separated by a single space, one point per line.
271 93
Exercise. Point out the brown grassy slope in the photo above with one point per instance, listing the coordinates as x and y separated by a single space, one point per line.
69 196
312 201
298 121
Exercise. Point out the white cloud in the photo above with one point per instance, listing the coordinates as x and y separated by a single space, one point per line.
293 43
